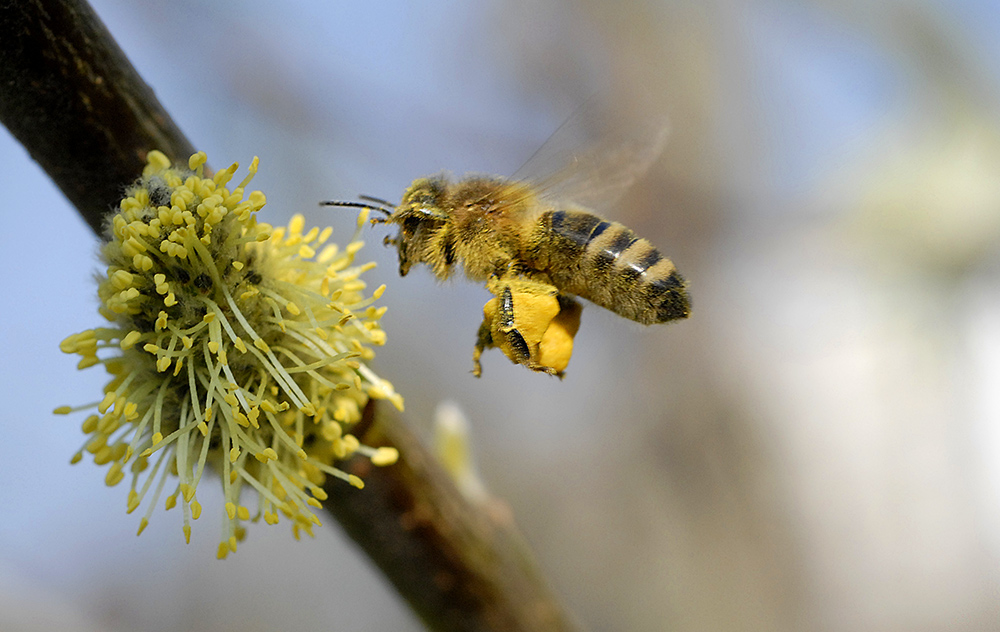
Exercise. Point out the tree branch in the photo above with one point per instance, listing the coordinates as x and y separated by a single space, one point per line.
461 565
71 97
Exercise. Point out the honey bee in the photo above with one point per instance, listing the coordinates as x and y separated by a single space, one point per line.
535 254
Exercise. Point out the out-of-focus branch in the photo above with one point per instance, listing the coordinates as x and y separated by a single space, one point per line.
462 565
70 96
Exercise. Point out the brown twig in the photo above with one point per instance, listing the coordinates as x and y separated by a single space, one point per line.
70 96
461 565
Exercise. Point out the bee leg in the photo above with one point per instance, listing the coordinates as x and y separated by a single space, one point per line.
484 340
516 346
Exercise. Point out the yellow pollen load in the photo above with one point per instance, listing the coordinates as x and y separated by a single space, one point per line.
191 276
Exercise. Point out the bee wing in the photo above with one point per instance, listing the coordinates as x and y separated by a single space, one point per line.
569 169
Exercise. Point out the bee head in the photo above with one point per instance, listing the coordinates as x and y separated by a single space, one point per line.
419 216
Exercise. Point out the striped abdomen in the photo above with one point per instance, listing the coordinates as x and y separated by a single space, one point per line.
608 264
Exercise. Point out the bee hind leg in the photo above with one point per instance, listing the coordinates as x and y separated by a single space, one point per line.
514 345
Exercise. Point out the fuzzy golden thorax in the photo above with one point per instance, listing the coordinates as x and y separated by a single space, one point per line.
481 223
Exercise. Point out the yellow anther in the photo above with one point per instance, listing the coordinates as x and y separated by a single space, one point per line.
385 456
121 279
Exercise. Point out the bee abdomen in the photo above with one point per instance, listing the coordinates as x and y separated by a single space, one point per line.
608 264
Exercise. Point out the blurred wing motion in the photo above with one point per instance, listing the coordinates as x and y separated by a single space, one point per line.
570 167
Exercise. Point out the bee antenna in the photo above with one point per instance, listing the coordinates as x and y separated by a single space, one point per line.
381 208
379 201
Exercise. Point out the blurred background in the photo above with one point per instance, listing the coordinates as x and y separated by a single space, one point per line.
817 448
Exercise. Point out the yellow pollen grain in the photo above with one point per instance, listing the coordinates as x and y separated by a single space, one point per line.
260 344
196 510
243 512
355 481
